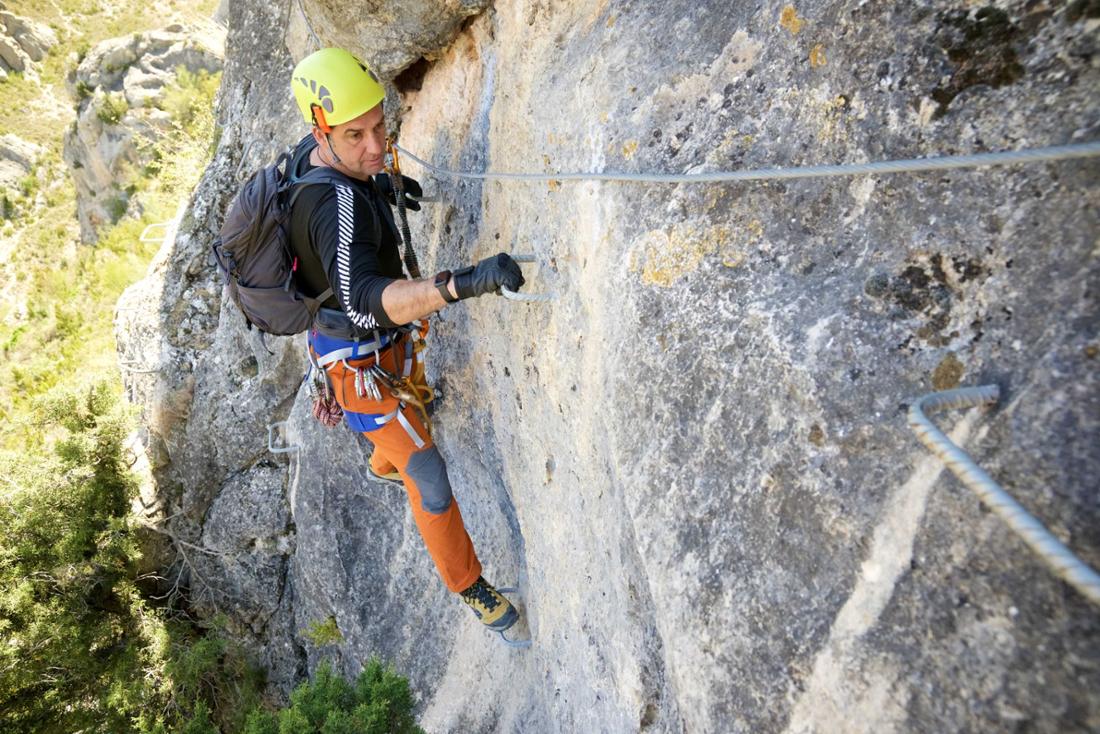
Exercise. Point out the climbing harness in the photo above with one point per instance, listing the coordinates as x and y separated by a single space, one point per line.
1061 559
521 644
370 379
393 168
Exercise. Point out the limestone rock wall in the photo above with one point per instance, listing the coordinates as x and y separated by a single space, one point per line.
695 463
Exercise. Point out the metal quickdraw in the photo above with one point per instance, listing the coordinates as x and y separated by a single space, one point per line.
365 384
393 168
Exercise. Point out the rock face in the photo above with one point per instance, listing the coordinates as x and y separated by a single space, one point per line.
119 84
17 158
695 462
22 43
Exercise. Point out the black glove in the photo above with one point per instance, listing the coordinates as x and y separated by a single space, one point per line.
488 276
412 188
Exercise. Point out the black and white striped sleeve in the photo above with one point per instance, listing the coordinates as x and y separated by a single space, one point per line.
347 234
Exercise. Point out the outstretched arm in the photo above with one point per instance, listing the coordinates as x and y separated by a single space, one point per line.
409 300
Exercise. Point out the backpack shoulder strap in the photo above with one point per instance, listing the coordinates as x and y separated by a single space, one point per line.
324 176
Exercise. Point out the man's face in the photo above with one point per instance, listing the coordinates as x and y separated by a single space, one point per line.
360 144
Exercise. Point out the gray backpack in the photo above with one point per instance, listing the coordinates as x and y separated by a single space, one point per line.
253 251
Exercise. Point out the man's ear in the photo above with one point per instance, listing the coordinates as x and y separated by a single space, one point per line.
318 136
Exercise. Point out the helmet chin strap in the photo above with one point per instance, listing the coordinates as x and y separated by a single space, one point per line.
335 158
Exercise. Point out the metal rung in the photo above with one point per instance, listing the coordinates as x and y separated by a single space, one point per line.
244 156
145 232
1057 556
271 430
527 297
519 644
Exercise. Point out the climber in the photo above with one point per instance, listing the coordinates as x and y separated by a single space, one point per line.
368 334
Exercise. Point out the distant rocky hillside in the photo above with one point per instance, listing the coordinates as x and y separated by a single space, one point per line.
695 462
119 85
23 43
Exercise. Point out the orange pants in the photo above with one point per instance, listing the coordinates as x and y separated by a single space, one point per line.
403 443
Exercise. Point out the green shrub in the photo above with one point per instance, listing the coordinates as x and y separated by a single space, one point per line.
116 207
379 703
111 108
80 649
28 184
190 96
83 90
325 632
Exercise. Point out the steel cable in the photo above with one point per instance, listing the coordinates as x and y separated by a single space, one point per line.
1052 551
909 165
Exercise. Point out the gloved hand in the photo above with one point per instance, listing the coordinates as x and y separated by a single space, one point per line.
488 276
411 186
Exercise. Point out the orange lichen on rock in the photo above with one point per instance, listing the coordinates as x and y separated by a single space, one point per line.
789 19
817 55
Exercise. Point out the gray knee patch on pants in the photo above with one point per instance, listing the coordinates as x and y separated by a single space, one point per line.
427 469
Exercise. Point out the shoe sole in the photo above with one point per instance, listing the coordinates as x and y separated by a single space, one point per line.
382 478
510 618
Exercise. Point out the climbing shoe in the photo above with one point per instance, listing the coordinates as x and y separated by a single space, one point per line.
393 477
494 611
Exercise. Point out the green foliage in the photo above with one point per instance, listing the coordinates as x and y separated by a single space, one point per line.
80 648
116 207
200 723
190 96
325 632
378 703
66 560
28 184
112 106
83 89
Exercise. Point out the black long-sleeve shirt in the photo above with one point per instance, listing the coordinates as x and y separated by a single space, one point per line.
345 239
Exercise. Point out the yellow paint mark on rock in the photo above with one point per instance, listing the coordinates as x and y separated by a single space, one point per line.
789 19
948 373
554 185
630 148
817 55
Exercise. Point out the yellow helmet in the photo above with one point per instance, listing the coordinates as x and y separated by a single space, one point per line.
332 87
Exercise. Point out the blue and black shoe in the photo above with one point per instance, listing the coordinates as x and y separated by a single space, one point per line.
494 611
